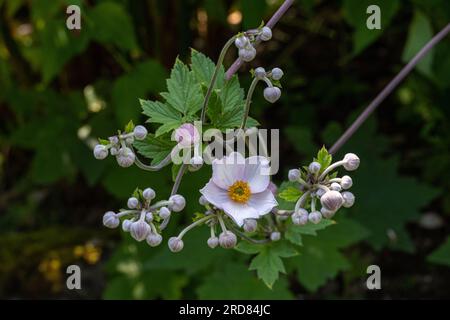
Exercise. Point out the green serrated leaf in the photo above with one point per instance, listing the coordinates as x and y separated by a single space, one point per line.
290 194
294 233
103 141
324 158
129 127
155 148
203 69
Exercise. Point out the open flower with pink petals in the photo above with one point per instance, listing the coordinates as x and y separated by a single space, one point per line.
239 187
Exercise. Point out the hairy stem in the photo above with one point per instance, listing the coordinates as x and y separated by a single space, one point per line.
248 101
388 89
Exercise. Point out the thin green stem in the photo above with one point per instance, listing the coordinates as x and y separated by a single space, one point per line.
248 101
193 225
214 77
247 238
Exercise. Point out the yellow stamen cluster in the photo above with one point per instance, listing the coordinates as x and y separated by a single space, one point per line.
239 191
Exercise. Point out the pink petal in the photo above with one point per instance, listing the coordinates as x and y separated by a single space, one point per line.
228 170
262 202
239 212
253 173
215 195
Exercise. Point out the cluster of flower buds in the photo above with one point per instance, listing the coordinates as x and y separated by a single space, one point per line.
244 43
120 146
142 218
317 183
271 93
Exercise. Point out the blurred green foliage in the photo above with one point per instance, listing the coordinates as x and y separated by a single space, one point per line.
61 89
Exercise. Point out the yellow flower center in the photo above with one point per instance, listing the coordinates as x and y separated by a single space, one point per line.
239 192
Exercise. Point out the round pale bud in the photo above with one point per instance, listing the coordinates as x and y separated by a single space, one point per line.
250 225
186 135
260 73
327 213
139 230
247 54
114 140
126 224
335 186
315 217
241 42
178 203
275 236
266 34
100 152
272 94
227 239
294 175
149 216
110 220
175 244
202 200
272 188
125 158
113 151
154 239
349 199
164 213
277 74
251 131
351 162
332 200
299 219
320 192
213 242
195 163
148 194
314 167
132 203
346 182
140 132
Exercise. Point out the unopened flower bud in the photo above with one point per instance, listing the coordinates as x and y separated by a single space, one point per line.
100 152
195 163
266 34
315 217
149 216
202 200
272 94
332 200
186 135
346 182
140 132
241 42
175 244
126 224
114 140
294 175
275 236
154 239
227 240
260 73
327 213
213 242
320 192
132 203
335 186
178 203
113 151
314 167
148 194
110 220
139 230
125 158
250 225
351 162
300 217
247 54
277 73
349 199
164 213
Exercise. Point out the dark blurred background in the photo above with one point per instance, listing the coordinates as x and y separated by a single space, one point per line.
61 89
